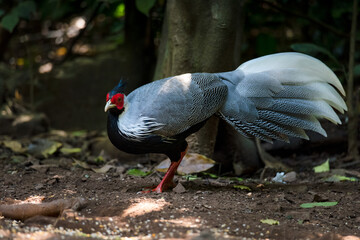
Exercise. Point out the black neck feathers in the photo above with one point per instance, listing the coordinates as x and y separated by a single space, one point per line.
149 144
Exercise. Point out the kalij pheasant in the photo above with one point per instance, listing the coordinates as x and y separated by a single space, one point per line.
270 97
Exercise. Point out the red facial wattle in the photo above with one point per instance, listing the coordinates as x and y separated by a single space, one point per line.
108 97
118 100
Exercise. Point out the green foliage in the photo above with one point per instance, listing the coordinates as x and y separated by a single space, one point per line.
26 9
120 10
23 10
318 204
9 21
211 175
357 70
242 187
44 147
265 44
270 221
191 177
324 167
79 133
70 151
54 9
15 146
339 178
313 50
137 172
238 179
341 8
275 25
144 6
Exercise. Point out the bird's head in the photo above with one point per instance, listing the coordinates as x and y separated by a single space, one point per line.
115 99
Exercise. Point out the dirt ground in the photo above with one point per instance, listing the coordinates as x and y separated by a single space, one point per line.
208 208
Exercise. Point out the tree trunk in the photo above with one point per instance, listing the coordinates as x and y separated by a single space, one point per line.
200 36
352 111
5 37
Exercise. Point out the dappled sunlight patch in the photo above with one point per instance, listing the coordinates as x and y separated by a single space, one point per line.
182 210
37 199
81 48
50 232
144 206
4 233
45 68
69 192
350 237
331 236
78 22
76 25
34 199
39 235
187 222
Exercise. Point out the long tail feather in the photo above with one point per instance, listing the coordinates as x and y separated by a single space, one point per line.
291 64
287 94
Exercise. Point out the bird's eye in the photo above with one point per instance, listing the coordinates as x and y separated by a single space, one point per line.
107 97
119 98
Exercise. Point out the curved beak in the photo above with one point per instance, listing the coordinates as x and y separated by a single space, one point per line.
109 105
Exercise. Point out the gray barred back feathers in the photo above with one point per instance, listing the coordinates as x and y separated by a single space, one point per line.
173 104
270 97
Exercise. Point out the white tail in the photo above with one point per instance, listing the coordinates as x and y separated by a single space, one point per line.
287 93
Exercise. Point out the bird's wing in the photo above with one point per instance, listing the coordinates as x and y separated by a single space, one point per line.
170 106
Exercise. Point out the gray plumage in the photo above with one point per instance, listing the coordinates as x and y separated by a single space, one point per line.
172 105
271 97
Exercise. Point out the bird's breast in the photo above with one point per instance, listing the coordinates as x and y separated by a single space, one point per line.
150 143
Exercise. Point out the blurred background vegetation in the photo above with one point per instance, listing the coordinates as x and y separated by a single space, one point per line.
61 57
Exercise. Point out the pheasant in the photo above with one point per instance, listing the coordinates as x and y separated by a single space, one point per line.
271 97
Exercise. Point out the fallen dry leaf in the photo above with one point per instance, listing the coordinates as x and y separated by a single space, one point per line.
242 187
81 164
15 146
44 147
324 167
103 169
69 151
270 221
191 163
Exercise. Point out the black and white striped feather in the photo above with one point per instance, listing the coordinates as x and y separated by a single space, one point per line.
287 92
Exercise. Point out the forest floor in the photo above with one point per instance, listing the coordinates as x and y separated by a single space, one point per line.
206 208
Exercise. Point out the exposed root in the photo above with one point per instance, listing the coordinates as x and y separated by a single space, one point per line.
28 210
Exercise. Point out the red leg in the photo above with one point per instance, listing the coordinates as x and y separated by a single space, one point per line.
167 181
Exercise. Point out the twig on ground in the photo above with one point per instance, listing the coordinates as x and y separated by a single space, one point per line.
353 173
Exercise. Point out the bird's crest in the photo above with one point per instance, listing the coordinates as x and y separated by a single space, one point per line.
119 88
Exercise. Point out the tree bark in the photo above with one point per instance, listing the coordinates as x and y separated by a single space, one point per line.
352 110
200 36
5 37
